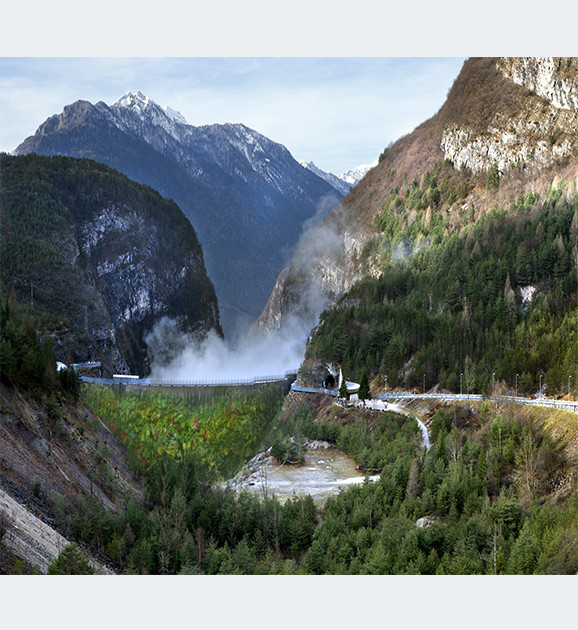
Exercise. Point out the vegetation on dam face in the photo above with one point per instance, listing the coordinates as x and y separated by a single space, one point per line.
220 435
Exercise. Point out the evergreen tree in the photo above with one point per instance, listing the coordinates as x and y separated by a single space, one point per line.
70 561
493 177
364 393
343 393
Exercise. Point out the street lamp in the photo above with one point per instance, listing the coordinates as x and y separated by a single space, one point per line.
516 385
424 383
461 374
493 383
569 377
386 382
540 390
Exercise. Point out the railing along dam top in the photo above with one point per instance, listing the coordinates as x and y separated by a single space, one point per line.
289 377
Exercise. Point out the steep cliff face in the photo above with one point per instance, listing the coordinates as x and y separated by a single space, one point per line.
102 257
542 132
325 265
552 78
51 464
517 113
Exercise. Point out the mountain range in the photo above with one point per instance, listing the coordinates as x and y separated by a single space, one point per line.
344 182
246 196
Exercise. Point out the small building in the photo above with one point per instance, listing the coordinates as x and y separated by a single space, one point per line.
352 388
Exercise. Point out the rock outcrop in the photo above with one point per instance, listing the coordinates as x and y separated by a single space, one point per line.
324 267
48 467
543 131
552 78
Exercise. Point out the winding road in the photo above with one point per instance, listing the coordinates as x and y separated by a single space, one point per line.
567 405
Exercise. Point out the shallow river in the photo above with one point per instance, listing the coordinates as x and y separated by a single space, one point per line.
323 474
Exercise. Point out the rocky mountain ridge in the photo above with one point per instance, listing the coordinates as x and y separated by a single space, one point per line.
344 182
334 180
244 194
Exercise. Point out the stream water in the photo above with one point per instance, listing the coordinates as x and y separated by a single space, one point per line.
381 405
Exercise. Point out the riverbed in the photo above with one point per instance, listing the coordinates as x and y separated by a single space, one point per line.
323 474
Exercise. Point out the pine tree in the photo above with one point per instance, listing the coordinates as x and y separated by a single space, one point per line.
364 393
343 393
70 561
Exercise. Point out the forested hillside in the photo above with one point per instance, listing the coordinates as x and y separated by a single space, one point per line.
97 259
496 299
457 255
492 496
55 455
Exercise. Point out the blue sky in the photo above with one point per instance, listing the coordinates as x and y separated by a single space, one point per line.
337 112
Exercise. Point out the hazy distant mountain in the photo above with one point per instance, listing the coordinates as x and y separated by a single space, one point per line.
245 195
355 175
344 182
333 180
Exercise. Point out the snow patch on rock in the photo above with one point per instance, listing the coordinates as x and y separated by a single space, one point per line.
527 294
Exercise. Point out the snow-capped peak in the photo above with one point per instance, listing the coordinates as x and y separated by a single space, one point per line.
330 178
343 182
354 175
173 114
141 103
133 100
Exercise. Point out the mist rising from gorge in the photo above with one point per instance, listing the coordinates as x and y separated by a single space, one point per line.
178 357
175 356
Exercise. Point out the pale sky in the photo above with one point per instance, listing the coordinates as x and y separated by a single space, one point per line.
336 112
332 80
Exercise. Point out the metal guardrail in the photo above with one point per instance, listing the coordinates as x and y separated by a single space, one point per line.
397 395
409 395
567 405
147 382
